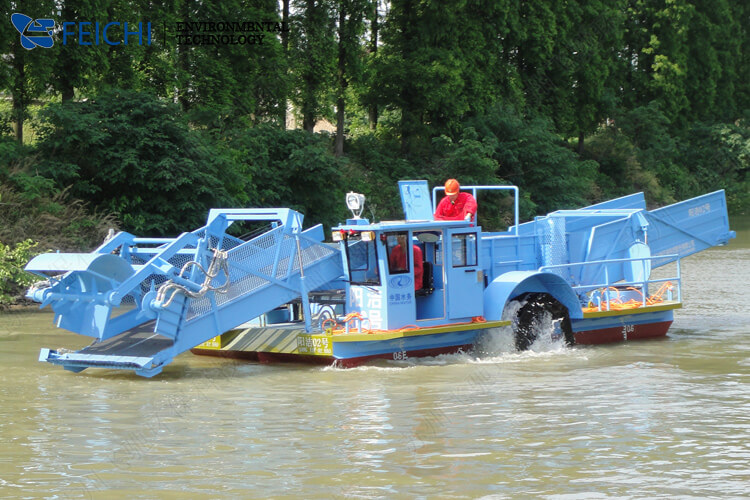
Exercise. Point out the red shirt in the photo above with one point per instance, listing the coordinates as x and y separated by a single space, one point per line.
465 203
398 261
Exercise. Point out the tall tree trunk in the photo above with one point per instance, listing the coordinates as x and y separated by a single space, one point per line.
372 110
580 143
309 104
183 63
338 149
285 48
68 92
18 114
339 144
19 91
66 87
308 120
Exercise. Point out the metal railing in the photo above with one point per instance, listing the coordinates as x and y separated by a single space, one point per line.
474 189
607 286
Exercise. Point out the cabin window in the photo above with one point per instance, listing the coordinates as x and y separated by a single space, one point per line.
464 249
362 258
396 244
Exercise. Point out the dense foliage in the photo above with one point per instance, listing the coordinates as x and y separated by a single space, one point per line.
132 154
574 102
13 280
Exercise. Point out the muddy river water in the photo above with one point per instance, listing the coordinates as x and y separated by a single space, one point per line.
649 419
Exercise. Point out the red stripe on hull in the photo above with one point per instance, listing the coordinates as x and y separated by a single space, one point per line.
274 357
265 357
621 333
247 355
280 357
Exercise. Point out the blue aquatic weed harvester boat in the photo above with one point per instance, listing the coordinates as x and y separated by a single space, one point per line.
285 294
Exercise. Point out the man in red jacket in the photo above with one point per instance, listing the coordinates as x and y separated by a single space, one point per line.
398 260
456 205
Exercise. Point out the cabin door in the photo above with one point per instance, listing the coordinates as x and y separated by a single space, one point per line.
465 279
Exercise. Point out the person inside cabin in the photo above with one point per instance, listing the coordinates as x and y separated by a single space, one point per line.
397 260
456 205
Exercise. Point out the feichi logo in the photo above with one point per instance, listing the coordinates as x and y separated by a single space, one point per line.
112 33
34 33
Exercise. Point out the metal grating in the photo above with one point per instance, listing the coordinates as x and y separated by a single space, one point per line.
553 243
136 260
257 257
181 259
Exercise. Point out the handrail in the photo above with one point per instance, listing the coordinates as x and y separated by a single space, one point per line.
488 188
607 285
612 261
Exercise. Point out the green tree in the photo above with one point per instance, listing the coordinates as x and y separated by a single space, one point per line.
313 59
439 65
620 169
718 156
25 72
741 12
6 37
74 66
133 155
714 40
13 279
584 65
351 15
374 19
530 155
224 85
137 66
657 47
291 168
532 43
373 166
651 132
285 4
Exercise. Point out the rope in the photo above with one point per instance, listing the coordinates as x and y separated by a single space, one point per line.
617 304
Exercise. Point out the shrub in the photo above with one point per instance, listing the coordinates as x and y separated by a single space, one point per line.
54 221
718 156
13 279
291 168
531 156
134 155
620 171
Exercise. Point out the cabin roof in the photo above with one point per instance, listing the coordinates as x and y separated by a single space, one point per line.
396 225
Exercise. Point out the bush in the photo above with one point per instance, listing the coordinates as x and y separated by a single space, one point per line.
620 171
374 168
13 279
529 155
31 207
657 151
497 148
293 169
134 155
718 156
54 221
10 151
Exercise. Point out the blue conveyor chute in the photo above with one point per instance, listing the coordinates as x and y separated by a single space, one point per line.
622 228
146 300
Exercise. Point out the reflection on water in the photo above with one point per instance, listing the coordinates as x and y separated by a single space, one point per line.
642 419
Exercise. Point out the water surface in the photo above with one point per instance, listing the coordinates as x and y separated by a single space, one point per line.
648 419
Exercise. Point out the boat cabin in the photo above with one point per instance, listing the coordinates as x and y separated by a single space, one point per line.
412 273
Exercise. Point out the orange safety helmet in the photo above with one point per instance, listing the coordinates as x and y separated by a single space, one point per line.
452 187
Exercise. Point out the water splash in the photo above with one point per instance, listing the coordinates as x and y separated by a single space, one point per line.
494 345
